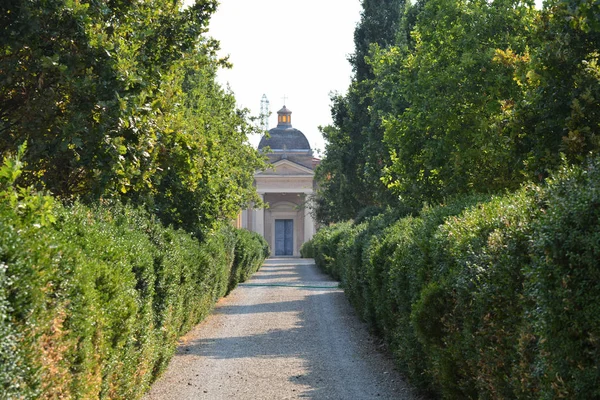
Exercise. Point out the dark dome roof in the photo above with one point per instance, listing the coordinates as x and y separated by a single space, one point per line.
284 137
289 137
284 110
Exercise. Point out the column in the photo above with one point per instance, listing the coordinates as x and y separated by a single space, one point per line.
245 219
251 218
259 225
309 224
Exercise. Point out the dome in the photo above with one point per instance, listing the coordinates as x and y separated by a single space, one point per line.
284 137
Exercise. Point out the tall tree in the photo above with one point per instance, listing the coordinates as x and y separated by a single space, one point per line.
473 96
113 99
350 173
448 135
560 78
79 80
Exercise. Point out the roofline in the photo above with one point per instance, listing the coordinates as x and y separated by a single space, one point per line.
307 171
290 150
260 176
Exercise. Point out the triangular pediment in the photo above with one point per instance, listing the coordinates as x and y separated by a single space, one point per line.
285 168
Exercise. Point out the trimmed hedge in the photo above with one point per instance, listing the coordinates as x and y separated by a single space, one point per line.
251 250
94 299
484 297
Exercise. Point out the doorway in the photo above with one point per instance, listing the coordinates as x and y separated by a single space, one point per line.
284 237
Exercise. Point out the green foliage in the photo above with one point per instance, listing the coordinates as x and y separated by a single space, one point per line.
206 167
118 104
380 20
368 213
350 173
120 100
447 132
326 244
484 297
307 250
472 314
454 97
12 358
94 299
560 80
251 249
477 297
23 217
565 284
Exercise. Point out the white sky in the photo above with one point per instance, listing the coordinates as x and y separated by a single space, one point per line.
287 47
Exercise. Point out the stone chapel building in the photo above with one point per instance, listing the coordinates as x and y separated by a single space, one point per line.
286 189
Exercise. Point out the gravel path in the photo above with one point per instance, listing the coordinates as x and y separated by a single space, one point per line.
287 333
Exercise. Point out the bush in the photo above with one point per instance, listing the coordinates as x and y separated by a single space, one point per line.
484 297
564 283
404 260
30 271
361 275
251 249
325 244
367 213
94 299
307 250
471 315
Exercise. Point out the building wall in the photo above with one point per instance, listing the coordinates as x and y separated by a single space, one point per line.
283 184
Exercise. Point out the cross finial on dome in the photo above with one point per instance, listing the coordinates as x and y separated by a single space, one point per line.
284 99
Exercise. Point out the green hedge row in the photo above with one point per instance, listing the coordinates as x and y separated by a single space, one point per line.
484 297
94 299
251 250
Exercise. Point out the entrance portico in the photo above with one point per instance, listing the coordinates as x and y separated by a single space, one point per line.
286 191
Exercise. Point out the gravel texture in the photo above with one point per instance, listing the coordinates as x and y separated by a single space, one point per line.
287 333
